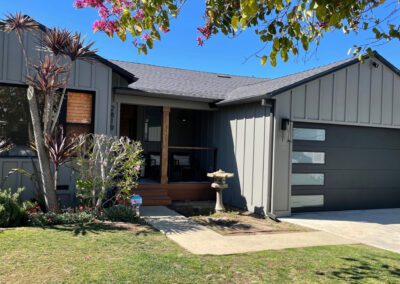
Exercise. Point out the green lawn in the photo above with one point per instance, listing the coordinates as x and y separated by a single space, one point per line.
104 254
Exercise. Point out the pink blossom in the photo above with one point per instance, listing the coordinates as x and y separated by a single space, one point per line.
137 168
99 25
116 9
103 12
205 31
79 4
139 15
146 36
110 28
200 41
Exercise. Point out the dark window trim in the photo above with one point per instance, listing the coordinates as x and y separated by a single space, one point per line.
6 155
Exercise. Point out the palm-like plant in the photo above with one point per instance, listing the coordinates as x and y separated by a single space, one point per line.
18 23
72 46
47 80
61 149
5 145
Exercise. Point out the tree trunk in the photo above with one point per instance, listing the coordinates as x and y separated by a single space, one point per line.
49 191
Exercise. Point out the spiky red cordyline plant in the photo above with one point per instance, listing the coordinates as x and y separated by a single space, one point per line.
61 149
47 80
19 24
62 42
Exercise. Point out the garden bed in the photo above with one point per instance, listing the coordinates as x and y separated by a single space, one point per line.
233 221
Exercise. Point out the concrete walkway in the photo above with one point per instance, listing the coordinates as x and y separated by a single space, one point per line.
199 239
379 228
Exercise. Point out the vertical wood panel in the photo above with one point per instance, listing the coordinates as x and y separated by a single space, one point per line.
85 74
364 94
299 102
259 150
396 100
164 150
387 96
240 147
326 95
352 93
13 180
2 56
14 62
376 93
312 103
249 153
340 96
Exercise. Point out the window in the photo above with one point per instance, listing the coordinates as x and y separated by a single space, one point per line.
79 113
15 121
309 134
308 179
308 158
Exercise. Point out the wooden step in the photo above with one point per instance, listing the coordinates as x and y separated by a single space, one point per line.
153 197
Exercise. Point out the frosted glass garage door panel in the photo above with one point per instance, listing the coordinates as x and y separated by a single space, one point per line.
309 134
308 179
308 158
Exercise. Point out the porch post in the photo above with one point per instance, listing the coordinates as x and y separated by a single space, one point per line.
165 142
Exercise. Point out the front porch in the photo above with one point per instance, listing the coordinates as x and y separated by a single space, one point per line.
177 148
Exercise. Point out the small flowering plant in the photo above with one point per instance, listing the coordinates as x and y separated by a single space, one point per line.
144 22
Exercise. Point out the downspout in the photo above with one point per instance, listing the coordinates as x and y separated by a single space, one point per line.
270 212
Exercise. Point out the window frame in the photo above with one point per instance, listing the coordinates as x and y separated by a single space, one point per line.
63 114
7 155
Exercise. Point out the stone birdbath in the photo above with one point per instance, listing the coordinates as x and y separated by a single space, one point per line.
219 185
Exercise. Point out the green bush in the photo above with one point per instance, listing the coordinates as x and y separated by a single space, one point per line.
12 209
41 219
120 213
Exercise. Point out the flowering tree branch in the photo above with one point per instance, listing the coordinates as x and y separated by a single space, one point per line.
285 26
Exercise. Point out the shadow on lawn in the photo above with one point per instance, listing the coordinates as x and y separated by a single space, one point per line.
98 228
362 269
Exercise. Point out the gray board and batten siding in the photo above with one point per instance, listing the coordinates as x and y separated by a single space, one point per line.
87 76
361 94
242 135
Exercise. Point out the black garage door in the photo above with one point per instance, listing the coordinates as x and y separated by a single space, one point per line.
344 167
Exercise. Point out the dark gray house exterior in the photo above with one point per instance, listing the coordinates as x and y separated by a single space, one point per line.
324 139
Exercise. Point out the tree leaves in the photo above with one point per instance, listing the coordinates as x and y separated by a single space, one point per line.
285 25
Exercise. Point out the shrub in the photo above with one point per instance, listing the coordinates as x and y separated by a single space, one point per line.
50 218
12 209
120 213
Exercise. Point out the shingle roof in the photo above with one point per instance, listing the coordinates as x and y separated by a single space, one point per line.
279 85
183 83
224 89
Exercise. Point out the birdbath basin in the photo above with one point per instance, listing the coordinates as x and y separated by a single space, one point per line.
219 184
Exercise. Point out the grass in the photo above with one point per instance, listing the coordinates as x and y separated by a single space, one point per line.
105 254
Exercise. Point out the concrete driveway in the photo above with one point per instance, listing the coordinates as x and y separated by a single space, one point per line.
379 228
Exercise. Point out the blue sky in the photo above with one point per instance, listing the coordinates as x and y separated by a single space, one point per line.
179 48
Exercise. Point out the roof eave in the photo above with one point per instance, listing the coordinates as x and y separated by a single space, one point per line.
164 95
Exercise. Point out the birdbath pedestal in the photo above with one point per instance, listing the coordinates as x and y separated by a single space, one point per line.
219 185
